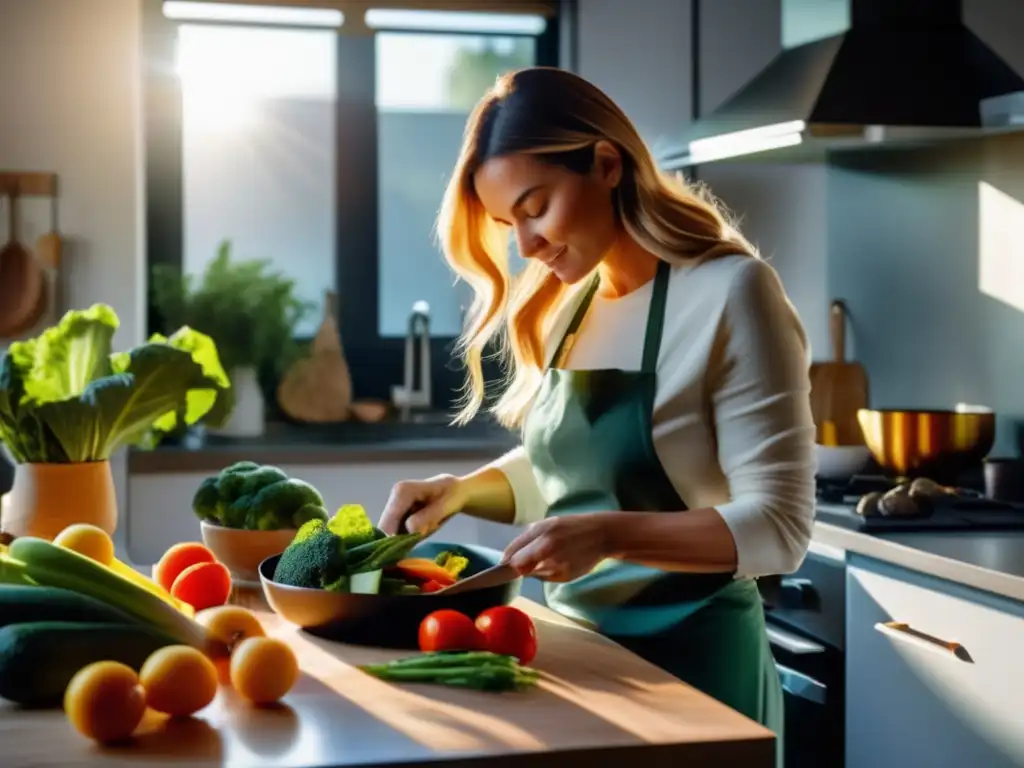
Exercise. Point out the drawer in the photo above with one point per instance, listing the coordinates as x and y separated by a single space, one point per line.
934 672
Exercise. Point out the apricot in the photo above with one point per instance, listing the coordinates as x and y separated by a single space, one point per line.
231 624
203 585
105 702
88 540
263 669
177 558
178 680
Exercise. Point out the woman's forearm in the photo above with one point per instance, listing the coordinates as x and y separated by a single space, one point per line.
695 541
486 494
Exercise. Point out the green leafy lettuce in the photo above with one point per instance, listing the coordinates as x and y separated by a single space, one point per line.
66 397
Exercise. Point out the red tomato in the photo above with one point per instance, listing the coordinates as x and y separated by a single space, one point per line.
448 630
508 631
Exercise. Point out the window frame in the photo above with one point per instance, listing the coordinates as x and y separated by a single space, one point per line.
376 362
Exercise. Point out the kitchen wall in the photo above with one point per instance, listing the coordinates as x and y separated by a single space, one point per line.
71 105
781 208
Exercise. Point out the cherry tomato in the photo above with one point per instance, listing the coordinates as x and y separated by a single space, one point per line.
448 630
509 631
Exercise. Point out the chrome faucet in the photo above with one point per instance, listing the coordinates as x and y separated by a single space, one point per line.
409 396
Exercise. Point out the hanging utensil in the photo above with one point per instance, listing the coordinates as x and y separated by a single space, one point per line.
48 246
21 279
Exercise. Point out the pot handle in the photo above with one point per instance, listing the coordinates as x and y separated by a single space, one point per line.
837 329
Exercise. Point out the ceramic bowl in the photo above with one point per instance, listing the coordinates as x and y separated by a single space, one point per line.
388 621
241 550
841 462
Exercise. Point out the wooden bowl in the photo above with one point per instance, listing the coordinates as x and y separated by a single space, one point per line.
386 621
242 550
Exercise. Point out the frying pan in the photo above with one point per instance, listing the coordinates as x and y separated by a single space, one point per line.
940 445
385 621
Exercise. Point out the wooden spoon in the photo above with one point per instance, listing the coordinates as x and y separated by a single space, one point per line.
21 279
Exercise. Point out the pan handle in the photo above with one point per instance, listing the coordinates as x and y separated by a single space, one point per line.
837 328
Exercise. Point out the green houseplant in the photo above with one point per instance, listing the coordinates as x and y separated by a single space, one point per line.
251 312
68 402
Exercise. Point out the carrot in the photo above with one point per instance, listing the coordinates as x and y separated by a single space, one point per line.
426 570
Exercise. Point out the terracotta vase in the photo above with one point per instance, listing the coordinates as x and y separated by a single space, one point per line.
47 498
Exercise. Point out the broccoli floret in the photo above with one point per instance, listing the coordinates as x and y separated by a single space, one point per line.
307 512
275 505
257 497
314 558
204 502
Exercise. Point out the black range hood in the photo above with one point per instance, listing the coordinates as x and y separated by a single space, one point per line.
903 72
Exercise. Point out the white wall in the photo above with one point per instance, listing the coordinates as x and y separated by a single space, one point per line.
70 92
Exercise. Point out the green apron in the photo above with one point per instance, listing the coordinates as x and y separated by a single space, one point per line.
589 438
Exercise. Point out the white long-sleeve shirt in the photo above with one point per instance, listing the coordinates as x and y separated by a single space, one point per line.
732 418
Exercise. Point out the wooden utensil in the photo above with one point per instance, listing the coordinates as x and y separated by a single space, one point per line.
318 388
21 279
495 576
838 389
48 246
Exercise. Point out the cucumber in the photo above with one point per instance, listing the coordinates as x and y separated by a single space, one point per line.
39 659
21 604
367 583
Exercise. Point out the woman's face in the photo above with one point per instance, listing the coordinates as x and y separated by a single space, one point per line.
564 219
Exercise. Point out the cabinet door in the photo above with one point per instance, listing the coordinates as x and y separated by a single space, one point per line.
934 672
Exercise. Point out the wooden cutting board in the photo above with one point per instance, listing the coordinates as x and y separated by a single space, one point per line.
839 388
318 388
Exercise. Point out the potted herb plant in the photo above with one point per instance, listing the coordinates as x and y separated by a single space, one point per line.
68 402
251 312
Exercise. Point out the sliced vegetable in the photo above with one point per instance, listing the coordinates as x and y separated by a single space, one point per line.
425 570
452 562
479 670
429 587
367 583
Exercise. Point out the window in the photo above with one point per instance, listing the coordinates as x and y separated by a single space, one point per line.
324 145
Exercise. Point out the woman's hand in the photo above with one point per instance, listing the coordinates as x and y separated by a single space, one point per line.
431 501
562 548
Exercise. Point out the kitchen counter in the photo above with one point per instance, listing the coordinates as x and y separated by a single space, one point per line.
597 703
316 444
988 560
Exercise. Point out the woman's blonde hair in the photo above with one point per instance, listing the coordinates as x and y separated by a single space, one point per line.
559 117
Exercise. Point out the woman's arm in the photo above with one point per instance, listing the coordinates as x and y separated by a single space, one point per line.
504 491
760 394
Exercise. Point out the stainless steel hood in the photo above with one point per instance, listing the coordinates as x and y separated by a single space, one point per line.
903 72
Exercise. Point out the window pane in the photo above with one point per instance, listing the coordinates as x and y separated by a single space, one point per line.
427 83
258 150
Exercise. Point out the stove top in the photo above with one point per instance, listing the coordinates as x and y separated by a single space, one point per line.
966 509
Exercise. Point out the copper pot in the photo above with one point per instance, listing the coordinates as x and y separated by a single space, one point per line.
939 445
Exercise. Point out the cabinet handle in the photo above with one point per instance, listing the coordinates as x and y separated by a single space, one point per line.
898 630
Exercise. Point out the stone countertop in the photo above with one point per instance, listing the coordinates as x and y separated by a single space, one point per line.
992 561
350 442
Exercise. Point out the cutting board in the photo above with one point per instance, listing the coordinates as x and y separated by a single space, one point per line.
839 388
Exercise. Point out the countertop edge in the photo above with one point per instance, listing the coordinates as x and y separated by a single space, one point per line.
957 571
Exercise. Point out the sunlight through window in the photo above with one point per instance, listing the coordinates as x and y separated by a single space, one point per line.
1000 247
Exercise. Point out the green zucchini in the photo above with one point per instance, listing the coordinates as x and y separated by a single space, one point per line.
20 604
39 659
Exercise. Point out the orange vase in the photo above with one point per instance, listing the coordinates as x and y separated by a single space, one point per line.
47 498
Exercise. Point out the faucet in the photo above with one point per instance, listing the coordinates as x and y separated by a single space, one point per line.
408 396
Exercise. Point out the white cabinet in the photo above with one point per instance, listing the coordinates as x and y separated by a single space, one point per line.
934 672
160 514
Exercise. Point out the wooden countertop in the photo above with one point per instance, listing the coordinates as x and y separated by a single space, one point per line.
599 705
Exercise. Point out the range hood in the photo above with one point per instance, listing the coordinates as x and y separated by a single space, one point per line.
903 72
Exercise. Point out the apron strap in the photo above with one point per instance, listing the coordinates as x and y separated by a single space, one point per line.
656 317
577 320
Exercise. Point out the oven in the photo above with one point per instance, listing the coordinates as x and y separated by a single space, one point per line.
805 616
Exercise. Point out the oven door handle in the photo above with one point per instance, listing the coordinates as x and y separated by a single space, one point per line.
800 685
791 643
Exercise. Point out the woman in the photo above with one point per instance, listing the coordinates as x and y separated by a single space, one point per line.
659 376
